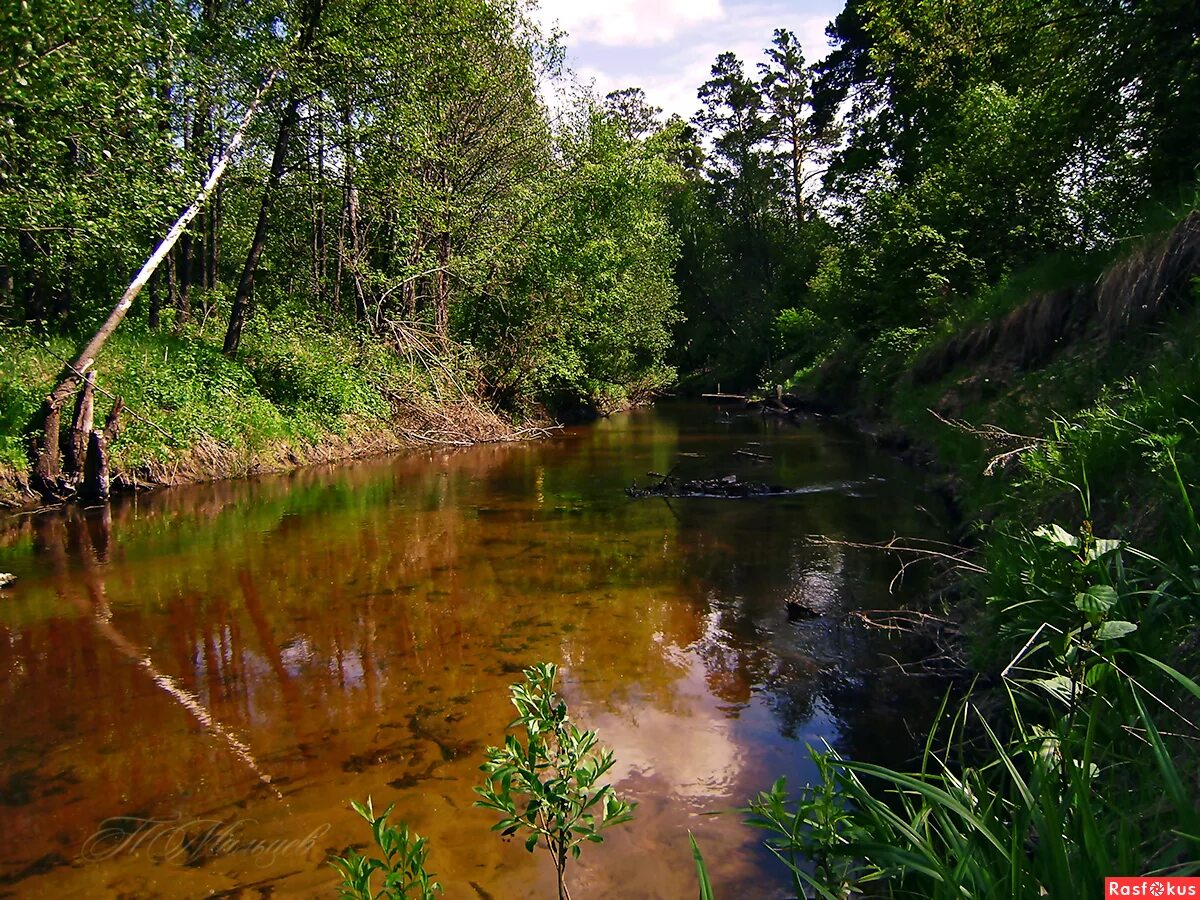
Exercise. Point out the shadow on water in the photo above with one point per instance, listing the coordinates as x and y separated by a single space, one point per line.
196 681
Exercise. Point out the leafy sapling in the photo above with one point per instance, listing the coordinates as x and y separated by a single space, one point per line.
402 864
547 788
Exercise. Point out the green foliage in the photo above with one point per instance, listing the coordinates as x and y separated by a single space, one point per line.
706 889
586 321
889 354
801 333
402 864
408 176
751 230
294 388
303 372
1082 784
814 829
547 788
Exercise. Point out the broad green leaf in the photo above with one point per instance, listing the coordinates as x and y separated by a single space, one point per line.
1099 598
1057 535
1112 630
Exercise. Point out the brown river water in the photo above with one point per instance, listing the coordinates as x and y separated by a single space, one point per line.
195 682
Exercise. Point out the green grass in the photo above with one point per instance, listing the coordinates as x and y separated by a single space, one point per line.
292 384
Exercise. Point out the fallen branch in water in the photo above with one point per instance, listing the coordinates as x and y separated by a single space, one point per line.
895 545
916 553
944 634
728 488
997 436
906 620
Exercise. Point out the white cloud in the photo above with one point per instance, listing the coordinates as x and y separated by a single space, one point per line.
628 23
671 74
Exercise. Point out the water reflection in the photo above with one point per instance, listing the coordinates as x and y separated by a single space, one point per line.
263 651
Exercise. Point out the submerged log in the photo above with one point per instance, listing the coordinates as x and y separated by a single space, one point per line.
798 611
728 487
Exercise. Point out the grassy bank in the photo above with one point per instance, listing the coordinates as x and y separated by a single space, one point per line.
1069 416
295 395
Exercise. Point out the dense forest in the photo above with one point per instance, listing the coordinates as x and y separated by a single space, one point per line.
972 226
404 215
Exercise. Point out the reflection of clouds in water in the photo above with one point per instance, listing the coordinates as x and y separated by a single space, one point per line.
817 577
687 748
296 655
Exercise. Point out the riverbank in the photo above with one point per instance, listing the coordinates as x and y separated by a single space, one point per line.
1069 420
1083 381
292 398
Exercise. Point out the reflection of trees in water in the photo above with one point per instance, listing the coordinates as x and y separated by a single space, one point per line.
823 665
359 626
379 634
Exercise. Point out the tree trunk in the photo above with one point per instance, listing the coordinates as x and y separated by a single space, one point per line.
33 295
356 255
441 286
320 264
6 293
97 485
155 302
81 427
412 286
336 300
797 175
183 268
291 115
44 449
351 223
214 238
172 281
241 300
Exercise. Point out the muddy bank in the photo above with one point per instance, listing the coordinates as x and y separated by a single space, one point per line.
430 423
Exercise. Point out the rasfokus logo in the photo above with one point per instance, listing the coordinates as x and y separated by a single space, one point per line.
1149 886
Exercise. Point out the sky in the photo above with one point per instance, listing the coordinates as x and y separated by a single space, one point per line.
667 47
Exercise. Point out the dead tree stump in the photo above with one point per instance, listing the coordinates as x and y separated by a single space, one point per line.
81 427
97 487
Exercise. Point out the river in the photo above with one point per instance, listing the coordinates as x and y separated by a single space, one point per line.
196 681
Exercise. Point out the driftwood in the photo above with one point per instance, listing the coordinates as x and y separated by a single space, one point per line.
728 487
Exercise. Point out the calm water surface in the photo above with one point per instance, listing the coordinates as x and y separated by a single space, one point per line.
225 666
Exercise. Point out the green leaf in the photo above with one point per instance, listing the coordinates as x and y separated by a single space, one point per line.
1057 535
1099 598
1101 548
706 890
1112 630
